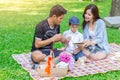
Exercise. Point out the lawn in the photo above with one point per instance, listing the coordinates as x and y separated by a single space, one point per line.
18 19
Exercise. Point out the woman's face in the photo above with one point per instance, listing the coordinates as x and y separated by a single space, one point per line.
88 15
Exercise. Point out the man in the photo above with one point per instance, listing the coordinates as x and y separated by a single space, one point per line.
46 33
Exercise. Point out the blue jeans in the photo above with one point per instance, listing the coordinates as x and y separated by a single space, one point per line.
94 49
79 54
47 52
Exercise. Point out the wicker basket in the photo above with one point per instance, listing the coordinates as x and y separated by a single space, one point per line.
56 72
59 72
42 72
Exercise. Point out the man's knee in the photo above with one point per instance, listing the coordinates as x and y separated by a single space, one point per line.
37 56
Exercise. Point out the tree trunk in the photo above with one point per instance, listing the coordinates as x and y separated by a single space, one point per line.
115 8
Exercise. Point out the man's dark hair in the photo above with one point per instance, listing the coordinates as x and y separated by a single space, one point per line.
57 10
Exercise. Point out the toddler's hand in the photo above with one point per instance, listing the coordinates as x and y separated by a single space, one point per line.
76 51
68 39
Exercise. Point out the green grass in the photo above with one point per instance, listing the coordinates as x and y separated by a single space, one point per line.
18 19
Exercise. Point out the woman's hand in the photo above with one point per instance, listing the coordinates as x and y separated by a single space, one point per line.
87 43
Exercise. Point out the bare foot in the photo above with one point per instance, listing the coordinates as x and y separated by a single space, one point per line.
81 60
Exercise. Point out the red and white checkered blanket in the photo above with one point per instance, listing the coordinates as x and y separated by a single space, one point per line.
93 67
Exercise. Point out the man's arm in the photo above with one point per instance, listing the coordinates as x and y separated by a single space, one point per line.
41 43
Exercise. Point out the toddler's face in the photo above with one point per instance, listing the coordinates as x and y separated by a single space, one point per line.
74 27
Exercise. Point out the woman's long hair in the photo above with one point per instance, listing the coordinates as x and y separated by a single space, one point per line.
95 12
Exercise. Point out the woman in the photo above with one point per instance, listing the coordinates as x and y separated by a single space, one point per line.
94 32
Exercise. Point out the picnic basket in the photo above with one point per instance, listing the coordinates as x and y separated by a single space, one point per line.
56 72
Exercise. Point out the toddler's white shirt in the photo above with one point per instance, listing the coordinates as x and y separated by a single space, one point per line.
75 38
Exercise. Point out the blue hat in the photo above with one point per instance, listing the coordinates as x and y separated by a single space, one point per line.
74 20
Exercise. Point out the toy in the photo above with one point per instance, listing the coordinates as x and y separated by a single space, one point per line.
47 68
67 58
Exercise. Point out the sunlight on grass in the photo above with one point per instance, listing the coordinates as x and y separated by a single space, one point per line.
1 74
13 5
76 10
22 5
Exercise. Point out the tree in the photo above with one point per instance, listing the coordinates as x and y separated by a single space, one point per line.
115 8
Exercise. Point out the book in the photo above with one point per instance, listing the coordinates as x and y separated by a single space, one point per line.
79 43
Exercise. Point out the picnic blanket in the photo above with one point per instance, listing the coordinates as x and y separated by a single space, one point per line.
92 67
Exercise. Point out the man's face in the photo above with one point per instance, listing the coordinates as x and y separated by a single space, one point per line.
58 19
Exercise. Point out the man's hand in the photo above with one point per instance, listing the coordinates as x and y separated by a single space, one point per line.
65 40
57 37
